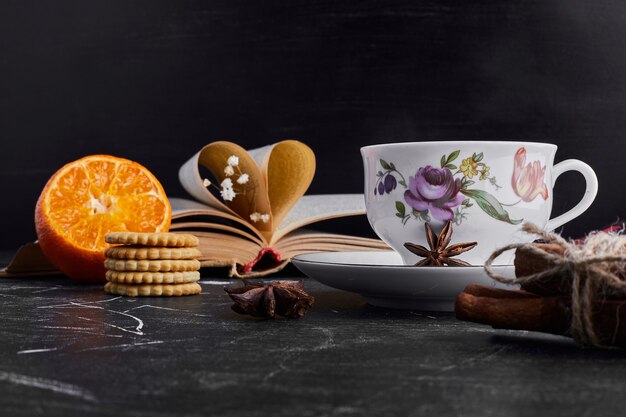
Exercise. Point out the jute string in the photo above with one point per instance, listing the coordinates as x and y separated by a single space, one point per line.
595 269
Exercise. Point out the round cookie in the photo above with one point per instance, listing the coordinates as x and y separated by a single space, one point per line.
131 265
122 277
152 239
151 290
146 252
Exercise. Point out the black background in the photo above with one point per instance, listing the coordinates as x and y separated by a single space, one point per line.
154 81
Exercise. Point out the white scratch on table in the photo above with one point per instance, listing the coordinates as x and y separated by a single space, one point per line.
17 287
281 368
27 351
92 305
151 306
329 342
482 357
58 287
68 328
422 315
82 330
47 384
81 303
123 346
137 330
212 282
169 309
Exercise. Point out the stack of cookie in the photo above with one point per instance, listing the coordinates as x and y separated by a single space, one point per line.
152 264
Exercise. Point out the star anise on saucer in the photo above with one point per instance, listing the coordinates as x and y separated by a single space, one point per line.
266 299
440 253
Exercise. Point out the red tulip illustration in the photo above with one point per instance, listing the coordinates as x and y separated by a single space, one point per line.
528 181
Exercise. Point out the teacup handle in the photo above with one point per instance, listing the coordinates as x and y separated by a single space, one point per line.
590 191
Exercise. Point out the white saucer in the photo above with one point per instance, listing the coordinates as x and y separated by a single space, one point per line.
382 279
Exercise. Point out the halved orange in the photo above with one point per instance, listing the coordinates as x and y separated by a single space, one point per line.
90 197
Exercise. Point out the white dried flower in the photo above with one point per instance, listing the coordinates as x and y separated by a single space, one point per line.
233 161
255 217
206 182
265 218
227 183
228 194
243 178
229 170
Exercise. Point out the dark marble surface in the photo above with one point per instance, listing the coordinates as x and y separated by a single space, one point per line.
70 349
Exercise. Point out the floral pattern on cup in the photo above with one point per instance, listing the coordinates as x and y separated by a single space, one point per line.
444 193
436 191
528 181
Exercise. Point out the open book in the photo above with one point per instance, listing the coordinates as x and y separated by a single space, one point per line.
251 208
248 211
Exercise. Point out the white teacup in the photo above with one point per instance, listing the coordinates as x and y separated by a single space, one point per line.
486 189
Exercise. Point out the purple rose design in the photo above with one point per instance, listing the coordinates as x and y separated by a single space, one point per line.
435 190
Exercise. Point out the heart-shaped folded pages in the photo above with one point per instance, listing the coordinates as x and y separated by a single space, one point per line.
279 175
289 167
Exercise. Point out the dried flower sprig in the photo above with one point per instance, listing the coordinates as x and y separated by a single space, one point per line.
258 217
228 190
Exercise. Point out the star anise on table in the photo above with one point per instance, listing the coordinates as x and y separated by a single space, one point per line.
270 299
440 253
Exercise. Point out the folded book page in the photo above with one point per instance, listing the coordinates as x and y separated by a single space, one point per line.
279 174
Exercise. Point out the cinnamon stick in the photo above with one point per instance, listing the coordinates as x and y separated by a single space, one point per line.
527 263
513 309
521 310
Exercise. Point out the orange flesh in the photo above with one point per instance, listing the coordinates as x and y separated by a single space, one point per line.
100 194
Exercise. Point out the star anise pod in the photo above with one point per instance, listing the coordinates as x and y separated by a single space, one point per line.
440 253
270 299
